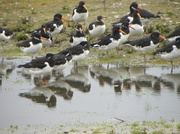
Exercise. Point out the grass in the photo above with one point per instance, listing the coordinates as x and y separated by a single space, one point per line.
144 127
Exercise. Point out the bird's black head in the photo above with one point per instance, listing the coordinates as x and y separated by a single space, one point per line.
81 3
85 44
43 26
134 5
116 28
178 39
99 17
58 16
79 26
49 56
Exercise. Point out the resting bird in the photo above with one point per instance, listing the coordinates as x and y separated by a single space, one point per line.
110 41
78 37
79 52
39 66
80 13
62 60
33 45
138 28
170 51
97 28
175 34
145 44
146 15
6 34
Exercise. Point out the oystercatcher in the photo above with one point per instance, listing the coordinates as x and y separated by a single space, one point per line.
32 45
110 41
80 13
56 25
6 34
97 28
62 60
78 37
125 27
127 18
79 52
145 44
175 34
137 25
146 15
39 66
170 51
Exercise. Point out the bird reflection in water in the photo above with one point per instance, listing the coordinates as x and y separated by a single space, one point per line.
41 95
61 88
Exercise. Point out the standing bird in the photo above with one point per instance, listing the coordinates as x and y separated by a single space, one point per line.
170 51
80 13
126 18
146 15
175 34
145 44
97 28
33 45
62 60
6 34
45 34
137 25
56 25
39 66
78 37
110 41
125 27
79 52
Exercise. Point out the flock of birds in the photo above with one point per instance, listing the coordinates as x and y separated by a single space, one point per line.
130 25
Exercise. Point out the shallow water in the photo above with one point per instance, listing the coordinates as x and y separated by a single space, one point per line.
91 93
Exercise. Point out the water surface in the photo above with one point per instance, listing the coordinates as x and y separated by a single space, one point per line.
90 93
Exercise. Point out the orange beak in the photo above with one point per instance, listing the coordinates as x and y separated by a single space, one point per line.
140 8
80 29
85 7
122 31
102 20
131 27
65 19
43 38
160 36
44 29
139 15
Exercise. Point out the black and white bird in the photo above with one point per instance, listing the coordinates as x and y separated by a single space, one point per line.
33 45
78 37
80 13
146 16
125 27
126 18
145 44
39 66
172 36
56 25
97 28
110 41
6 34
79 52
138 28
169 51
62 60
45 34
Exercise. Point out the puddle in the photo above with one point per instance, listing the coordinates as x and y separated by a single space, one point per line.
92 93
